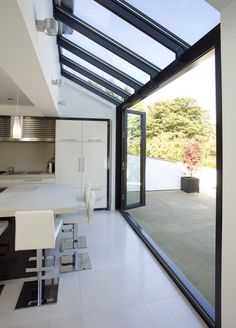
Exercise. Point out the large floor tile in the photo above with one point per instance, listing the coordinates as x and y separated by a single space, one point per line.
106 256
72 321
135 316
107 289
174 312
152 281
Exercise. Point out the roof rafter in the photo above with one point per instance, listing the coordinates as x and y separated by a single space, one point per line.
90 87
99 63
100 38
94 77
145 24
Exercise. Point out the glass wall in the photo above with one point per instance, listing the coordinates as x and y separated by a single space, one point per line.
179 215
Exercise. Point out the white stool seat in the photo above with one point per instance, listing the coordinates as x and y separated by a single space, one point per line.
38 230
34 230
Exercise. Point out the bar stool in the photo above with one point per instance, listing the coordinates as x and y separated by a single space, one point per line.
38 230
76 261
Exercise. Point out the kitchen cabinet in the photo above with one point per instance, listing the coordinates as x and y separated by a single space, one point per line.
83 159
11 179
68 165
34 178
68 130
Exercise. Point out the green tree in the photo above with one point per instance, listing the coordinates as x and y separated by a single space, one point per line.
170 124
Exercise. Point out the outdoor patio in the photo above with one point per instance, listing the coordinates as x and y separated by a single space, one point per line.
183 226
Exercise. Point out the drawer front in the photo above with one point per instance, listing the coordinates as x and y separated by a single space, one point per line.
5 182
33 180
99 191
101 202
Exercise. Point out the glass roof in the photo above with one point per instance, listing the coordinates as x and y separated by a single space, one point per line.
107 56
122 32
94 84
96 70
188 19
122 45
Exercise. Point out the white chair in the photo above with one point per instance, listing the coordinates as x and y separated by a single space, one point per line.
83 203
38 230
75 220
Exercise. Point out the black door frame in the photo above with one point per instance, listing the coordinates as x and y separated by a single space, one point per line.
210 41
124 154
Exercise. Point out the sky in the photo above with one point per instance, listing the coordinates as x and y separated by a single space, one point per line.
198 83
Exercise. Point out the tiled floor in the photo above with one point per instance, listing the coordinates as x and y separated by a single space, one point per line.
126 288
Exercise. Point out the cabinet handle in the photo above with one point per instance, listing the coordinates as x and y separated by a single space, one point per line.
83 164
33 180
79 165
96 189
68 139
95 140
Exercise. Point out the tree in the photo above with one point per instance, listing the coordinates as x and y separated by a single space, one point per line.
169 125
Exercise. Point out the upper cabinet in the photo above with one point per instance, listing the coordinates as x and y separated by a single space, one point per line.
68 130
94 131
87 131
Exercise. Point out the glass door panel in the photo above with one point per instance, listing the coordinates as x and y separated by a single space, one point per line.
134 159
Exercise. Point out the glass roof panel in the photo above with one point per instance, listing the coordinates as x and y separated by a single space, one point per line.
188 19
96 70
124 33
108 56
96 85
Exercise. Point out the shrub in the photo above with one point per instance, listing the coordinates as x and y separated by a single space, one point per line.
192 155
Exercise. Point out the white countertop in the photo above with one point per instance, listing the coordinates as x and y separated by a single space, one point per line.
60 198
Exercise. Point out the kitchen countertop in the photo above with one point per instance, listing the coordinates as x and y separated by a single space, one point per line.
22 197
26 173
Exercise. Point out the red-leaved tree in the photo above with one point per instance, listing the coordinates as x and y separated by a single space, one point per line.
192 155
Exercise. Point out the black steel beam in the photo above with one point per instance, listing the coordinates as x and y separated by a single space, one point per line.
94 77
103 40
90 87
99 63
191 55
146 25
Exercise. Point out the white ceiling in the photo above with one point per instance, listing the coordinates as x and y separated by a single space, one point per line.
28 58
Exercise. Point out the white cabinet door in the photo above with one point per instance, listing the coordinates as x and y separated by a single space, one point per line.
68 130
95 164
94 131
68 166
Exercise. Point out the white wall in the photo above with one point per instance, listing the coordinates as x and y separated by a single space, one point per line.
160 174
228 40
80 103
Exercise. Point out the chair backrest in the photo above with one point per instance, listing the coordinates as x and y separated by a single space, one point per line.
87 189
34 230
91 205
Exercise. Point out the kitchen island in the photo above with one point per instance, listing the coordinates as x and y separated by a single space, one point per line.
58 197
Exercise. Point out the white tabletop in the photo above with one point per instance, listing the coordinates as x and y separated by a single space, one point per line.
57 197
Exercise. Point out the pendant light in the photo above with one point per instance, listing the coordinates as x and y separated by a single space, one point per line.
17 120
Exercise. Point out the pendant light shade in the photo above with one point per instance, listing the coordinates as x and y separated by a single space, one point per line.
17 127
17 120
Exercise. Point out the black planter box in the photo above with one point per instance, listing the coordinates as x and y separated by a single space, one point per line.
189 184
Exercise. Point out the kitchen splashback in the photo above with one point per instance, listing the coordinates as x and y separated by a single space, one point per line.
25 156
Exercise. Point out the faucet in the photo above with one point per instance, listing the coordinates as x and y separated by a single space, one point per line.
10 169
